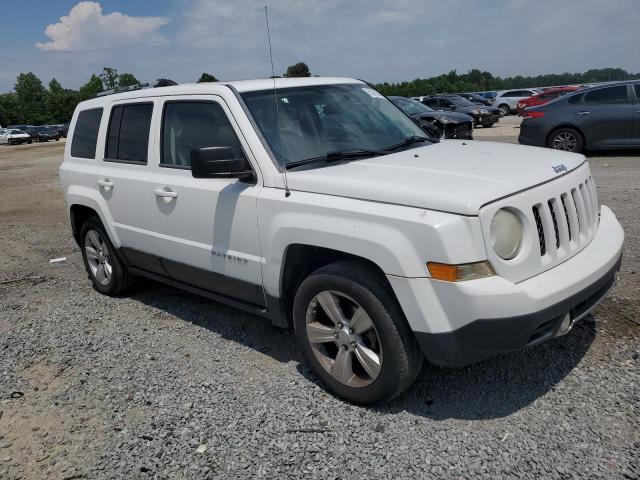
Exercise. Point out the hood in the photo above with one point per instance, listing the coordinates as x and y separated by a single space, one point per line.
451 116
451 176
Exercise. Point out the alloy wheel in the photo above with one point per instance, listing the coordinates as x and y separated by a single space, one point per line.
566 141
344 339
98 257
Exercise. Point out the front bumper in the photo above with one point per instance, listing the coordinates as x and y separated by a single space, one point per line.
461 323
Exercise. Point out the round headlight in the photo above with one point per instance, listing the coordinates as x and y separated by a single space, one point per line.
506 233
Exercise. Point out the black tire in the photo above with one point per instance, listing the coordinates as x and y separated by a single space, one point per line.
401 357
505 109
29 141
120 279
487 124
566 139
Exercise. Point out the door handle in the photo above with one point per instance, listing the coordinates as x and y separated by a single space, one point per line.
105 183
165 194
583 113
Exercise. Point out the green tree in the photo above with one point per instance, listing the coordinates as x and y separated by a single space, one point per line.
109 77
300 69
9 109
207 77
90 89
61 102
31 99
127 79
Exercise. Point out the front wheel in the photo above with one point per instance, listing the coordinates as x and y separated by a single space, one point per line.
354 335
505 109
566 139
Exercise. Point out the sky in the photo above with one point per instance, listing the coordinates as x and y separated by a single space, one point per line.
376 40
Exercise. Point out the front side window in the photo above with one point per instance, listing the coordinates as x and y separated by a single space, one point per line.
314 121
607 96
128 135
85 134
636 87
191 125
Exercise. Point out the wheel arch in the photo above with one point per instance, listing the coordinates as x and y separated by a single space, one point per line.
81 205
566 125
301 260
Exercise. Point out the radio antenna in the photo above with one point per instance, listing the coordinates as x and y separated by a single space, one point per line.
275 97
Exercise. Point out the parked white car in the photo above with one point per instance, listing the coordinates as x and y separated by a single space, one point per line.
321 205
507 100
13 136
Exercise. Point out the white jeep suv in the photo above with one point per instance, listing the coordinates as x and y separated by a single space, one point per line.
320 205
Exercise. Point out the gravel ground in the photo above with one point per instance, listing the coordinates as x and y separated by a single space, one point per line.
164 384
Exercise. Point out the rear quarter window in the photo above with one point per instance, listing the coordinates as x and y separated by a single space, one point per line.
85 134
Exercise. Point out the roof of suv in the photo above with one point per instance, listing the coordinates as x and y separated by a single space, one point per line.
214 87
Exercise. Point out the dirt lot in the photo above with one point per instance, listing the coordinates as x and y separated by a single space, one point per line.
164 384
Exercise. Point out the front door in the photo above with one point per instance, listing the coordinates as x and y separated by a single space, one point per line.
207 228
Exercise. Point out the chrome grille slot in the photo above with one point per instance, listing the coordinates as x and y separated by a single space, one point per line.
555 222
541 240
586 198
563 198
580 211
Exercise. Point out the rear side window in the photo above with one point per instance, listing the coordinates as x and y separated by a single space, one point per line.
128 135
637 89
190 125
85 135
607 96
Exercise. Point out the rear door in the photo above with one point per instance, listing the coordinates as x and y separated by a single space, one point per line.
207 227
124 181
606 116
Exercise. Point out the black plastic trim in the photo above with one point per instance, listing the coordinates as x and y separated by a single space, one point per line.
198 278
484 338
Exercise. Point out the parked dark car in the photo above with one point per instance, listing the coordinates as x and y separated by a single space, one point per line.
482 115
597 118
475 98
62 129
439 124
24 128
43 133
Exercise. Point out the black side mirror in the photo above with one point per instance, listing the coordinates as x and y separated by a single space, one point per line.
219 162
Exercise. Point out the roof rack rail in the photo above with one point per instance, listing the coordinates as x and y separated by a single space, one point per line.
130 88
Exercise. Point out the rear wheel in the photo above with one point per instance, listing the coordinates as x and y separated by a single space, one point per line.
566 139
354 335
105 269
504 109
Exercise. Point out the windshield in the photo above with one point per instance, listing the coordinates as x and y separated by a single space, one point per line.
409 106
312 121
461 102
15 132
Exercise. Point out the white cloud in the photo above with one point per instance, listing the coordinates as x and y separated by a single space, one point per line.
86 28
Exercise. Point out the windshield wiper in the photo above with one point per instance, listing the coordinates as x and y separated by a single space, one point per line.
337 156
408 142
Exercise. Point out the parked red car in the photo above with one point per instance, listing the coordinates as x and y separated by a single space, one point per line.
545 96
